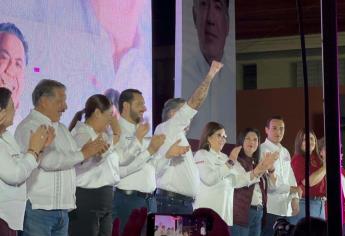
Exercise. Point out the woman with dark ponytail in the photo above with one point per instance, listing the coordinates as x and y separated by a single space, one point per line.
97 176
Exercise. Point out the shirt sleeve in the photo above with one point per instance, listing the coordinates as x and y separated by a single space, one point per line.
171 128
81 138
241 177
161 164
179 121
56 159
136 164
285 178
53 158
14 172
128 150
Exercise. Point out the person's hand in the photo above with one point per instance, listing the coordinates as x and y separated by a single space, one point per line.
175 150
295 206
38 139
324 161
50 136
293 189
2 116
268 161
214 69
156 142
300 191
94 148
142 130
234 153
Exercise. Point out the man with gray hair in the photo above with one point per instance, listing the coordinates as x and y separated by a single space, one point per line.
51 187
176 174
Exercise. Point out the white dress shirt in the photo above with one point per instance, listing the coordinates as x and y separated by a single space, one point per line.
15 168
52 185
278 195
136 168
218 182
178 174
257 196
97 171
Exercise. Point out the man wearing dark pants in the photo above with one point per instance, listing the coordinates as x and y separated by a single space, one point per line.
137 172
282 196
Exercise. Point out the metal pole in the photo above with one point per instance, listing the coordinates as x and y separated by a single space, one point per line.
331 115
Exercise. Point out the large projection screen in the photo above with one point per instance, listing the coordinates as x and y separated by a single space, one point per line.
205 30
88 45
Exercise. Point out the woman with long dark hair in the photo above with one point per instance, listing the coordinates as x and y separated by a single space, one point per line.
250 200
16 167
97 176
317 177
220 174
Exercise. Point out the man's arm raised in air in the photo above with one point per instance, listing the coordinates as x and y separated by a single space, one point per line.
201 92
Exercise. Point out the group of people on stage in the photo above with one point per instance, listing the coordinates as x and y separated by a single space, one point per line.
56 180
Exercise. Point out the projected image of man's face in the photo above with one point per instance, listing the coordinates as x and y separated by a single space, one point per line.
12 64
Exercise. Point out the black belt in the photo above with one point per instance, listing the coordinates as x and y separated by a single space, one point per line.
134 192
173 195
257 207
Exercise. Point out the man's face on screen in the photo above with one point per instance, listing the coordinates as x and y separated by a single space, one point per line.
12 65
211 20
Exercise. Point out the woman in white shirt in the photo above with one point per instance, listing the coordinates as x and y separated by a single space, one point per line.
219 173
97 176
16 167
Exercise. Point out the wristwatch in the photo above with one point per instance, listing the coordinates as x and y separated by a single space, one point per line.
230 163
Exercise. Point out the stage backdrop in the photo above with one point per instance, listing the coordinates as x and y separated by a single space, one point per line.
205 30
88 45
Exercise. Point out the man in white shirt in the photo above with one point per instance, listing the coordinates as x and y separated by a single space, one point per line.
177 176
51 187
282 197
137 184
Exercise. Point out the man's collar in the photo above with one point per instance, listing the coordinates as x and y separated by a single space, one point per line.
126 124
271 144
43 118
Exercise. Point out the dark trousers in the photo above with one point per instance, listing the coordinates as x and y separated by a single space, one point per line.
5 230
124 204
93 214
173 205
